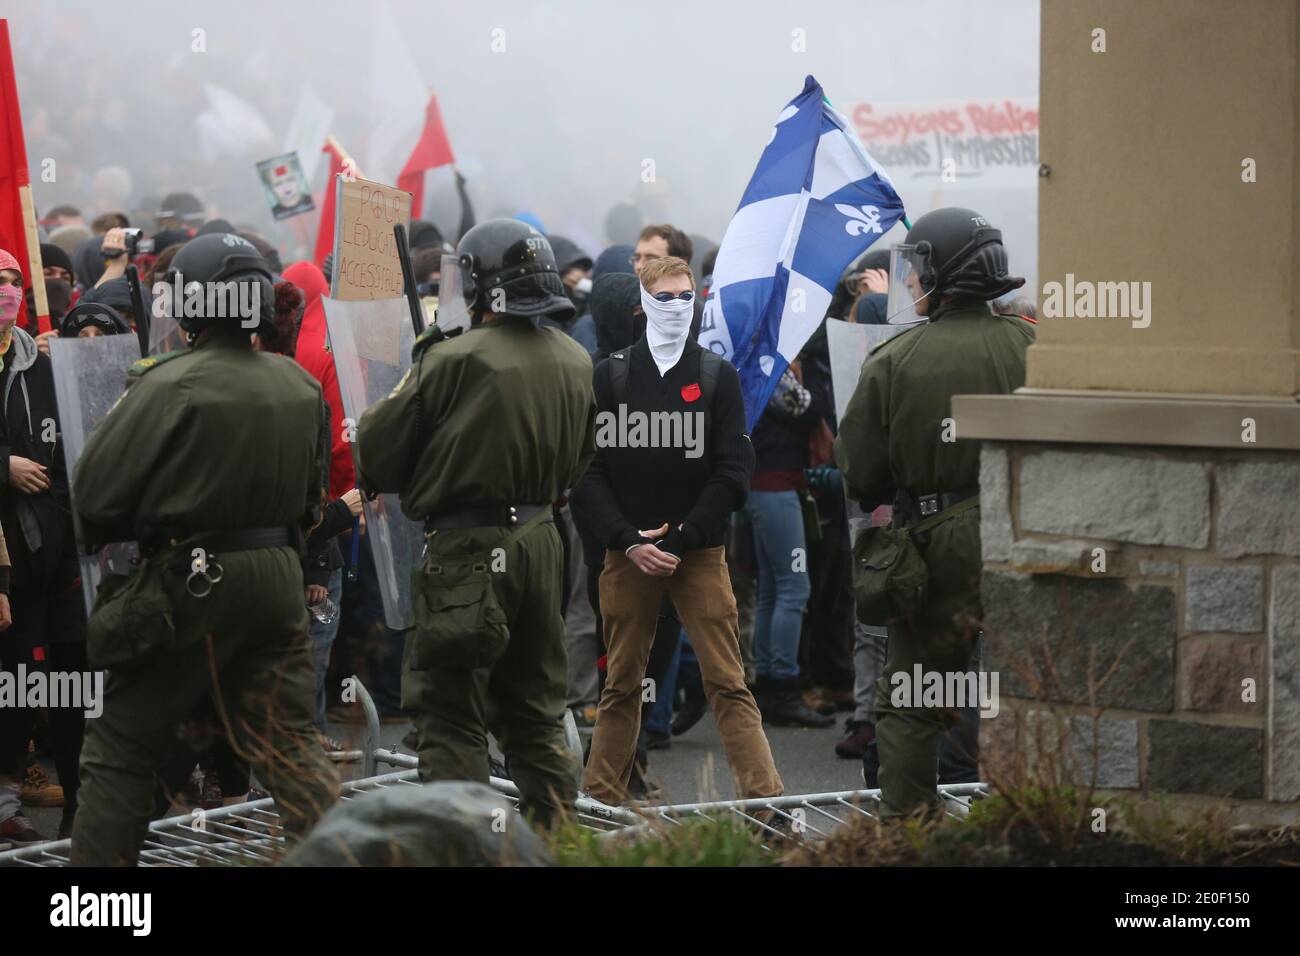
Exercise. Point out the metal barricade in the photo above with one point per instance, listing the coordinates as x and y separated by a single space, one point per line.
779 818
250 834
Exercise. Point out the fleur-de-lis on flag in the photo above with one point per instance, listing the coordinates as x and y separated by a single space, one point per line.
862 219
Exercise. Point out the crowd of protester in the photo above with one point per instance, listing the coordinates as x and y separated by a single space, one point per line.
783 519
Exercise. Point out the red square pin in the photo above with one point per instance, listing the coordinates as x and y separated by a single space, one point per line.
690 392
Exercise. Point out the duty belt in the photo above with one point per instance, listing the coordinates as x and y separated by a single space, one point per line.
240 539
205 570
499 516
919 507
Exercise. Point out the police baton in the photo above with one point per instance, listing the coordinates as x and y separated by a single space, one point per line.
137 306
408 279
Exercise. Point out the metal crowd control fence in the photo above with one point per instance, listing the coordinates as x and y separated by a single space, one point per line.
250 834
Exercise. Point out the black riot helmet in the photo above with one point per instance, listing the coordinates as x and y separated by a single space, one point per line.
508 266
957 252
235 280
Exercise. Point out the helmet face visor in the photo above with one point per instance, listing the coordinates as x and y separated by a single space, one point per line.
452 311
911 281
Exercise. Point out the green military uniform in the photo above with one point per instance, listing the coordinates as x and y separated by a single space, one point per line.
892 447
219 448
502 415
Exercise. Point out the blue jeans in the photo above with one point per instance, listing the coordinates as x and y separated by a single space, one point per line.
322 639
779 548
660 718
684 668
372 651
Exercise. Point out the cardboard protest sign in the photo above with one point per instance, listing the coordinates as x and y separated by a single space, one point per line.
850 343
285 185
366 265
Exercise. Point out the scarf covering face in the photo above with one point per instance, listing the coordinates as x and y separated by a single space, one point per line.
667 326
11 300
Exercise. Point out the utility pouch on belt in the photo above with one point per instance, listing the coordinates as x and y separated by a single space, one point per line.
459 623
889 574
132 617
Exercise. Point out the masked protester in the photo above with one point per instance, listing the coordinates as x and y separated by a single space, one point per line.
619 322
89 319
575 271
661 510
58 298
48 613
190 476
488 429
893 447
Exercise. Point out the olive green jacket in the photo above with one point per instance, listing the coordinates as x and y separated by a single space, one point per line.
897 432
216 438
502 414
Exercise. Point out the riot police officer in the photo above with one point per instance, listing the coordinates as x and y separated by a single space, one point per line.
214 461
897 443
487 430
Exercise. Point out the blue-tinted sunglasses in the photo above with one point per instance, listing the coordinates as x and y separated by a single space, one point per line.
668 296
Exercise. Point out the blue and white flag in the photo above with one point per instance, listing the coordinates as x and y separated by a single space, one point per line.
815 203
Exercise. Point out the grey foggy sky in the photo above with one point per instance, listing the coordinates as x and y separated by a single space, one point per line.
559 123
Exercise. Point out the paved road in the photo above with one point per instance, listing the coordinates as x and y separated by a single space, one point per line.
694 768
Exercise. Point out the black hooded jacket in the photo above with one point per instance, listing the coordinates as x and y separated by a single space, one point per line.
616 309
38 528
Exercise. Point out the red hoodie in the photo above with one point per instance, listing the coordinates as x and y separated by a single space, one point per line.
314 355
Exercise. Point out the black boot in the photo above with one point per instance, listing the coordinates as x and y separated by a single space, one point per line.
786 707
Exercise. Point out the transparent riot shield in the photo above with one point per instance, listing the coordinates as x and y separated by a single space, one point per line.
371 341
89 376
849 344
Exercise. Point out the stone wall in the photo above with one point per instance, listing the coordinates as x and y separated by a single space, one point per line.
1159 592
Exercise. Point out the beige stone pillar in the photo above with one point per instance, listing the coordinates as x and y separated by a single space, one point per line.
1140 496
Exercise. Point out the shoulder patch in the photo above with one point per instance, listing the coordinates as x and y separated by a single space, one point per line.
151 362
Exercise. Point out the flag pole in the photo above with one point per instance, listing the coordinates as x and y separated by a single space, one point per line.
343 155
34 259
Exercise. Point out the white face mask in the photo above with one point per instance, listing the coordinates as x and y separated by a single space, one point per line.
667 326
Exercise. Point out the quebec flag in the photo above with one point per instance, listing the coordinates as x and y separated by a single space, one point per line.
815 203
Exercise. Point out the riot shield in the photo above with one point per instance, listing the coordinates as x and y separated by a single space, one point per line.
371 340
850 343
89 376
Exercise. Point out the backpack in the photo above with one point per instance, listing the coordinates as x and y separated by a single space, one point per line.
710 369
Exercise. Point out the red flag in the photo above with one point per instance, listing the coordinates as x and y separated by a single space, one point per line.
433 150
17 214
339 163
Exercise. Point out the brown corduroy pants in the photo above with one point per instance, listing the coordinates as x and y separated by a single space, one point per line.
629 602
